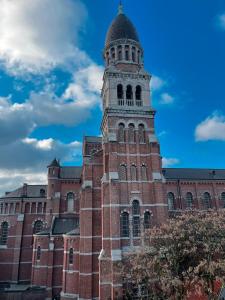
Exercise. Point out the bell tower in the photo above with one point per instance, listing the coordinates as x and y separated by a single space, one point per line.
133 184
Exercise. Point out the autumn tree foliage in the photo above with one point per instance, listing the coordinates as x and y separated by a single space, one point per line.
184 257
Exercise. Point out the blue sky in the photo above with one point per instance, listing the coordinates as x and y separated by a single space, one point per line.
50 79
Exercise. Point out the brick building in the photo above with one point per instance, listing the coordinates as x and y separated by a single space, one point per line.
68 236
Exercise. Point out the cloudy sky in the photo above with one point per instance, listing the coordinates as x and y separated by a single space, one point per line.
51 76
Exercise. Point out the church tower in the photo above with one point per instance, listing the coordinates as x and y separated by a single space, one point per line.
133 184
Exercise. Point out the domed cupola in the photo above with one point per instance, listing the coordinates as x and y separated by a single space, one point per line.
121 28
122 43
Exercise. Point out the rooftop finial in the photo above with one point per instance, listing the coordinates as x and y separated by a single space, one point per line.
120 10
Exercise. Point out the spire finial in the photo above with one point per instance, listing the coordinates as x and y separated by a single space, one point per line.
120 9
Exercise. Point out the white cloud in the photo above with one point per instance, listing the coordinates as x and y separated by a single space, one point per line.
37 35
46 144
157 83
212 128
18 120
221 21
13 179
26 160
166 98
33 153
168 162
86 86
162 133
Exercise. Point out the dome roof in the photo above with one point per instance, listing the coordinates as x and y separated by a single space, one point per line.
121 28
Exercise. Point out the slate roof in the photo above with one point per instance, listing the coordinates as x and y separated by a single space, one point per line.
32 191
70 172
54 163
64 225
121 28
74 232
93 139
194 174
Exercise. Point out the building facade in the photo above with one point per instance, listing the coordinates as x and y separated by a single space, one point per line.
69 235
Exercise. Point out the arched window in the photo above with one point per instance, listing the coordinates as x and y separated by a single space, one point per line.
207 201
123 173
39 253
136 218
189 200
136 207
121 133
124 225
70 202
71 256
171 201
131 133
138 96
144 176
38 227
4 233
223 199
147 220
1 208
133 172
119 91
141 133
42 193
129 92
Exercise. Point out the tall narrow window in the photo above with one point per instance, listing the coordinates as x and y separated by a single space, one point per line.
189 200
141 133
119 91
27 208
138 57
129 92
147 220
207 201
38 227
171 201
107 58
133 171
113 53
121 133
39 253
133 54
127 56
223 199
138 96
119 49
70 202
123 173
4 233
1 208
144 176
131 133
124 225
136 218
71 256
11 208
